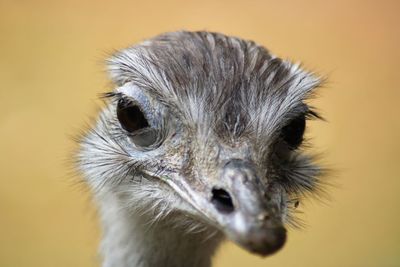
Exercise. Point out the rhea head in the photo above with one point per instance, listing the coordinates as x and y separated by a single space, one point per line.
209 129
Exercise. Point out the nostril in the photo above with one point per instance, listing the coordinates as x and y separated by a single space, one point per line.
222 200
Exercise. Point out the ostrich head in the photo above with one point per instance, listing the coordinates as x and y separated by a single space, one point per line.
206 129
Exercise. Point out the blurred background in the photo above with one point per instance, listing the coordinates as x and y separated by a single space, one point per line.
51 72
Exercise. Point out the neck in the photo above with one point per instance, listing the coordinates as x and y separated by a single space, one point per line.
129 240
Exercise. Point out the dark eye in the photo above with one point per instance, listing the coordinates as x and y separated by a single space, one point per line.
133 120
130 116
293 132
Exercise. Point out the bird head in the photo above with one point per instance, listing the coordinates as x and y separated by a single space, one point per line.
209 127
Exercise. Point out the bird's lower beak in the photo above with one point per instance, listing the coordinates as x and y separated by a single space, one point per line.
238 204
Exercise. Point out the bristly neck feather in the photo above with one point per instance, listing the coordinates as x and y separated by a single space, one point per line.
129 240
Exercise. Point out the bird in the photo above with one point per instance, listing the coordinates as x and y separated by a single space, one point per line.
201 140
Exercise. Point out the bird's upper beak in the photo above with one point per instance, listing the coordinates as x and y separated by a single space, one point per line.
238 204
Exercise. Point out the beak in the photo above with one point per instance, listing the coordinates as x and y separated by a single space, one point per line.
237 203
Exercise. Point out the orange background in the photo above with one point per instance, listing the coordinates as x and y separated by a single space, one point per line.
51 71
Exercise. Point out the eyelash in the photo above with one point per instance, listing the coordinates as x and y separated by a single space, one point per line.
115 97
